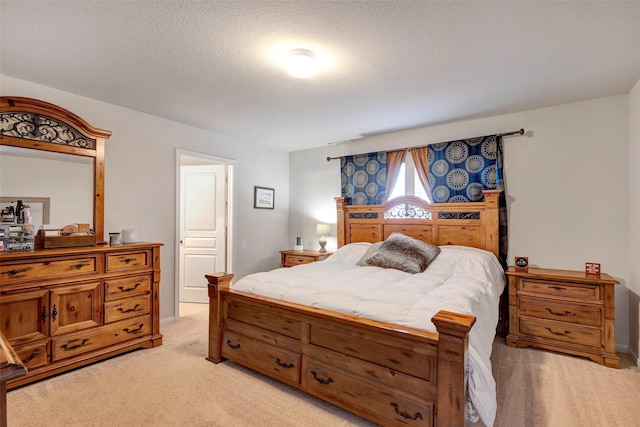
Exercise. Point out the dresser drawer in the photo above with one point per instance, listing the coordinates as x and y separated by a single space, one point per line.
49 268
33 355
127 287
86 341
558 331
125 308
129 261
271 360
561 311
560 289
384 403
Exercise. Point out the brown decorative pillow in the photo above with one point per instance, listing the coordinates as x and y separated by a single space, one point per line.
370 251
404 253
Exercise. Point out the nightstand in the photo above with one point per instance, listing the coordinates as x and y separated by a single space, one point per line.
565 311
289 258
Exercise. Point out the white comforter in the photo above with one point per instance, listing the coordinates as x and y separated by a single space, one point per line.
460 279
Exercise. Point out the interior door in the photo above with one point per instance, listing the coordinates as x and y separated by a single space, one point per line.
202 228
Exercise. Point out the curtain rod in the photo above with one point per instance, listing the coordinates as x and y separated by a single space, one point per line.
515 132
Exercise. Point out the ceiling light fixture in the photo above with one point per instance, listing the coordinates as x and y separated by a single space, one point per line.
301 63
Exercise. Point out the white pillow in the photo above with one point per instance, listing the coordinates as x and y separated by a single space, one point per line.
370 251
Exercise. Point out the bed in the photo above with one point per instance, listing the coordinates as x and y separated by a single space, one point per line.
409 363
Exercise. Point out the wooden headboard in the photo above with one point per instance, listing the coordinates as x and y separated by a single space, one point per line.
472 224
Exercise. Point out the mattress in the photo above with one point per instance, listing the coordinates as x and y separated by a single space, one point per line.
461 279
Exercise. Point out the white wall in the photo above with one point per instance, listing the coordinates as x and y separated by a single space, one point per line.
634 224
140 180
566 183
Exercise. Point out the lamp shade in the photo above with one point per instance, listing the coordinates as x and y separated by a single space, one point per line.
323 229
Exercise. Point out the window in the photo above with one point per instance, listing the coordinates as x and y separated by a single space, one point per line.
408 183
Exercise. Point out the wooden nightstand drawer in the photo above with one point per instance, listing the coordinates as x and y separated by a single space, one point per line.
565 332
561 311
295 260
289 258
561 289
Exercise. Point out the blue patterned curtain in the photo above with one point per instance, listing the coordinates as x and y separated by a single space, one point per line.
460 170
364 178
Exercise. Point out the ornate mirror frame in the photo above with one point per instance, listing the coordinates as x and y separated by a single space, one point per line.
38 125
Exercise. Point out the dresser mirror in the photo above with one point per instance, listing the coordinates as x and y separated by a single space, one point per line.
51 156
58 188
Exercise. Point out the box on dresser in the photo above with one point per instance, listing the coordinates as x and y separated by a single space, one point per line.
67 307
16 238
562 310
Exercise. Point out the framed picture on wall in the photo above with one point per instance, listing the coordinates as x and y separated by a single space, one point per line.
263 197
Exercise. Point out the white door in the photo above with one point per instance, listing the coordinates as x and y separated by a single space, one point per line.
202 228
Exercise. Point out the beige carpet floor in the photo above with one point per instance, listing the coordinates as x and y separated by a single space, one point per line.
173 385
540 388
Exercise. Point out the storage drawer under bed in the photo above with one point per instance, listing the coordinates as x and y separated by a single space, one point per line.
385 403
263 357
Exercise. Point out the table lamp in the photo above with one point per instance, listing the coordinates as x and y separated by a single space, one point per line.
322 230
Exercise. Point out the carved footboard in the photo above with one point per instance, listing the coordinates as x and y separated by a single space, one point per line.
389 374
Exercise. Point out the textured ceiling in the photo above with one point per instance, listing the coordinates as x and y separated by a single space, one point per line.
386 65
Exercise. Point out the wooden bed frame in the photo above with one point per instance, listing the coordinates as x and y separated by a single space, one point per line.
389 374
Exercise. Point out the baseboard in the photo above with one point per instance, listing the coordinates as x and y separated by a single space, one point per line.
167 320
635 357
622 348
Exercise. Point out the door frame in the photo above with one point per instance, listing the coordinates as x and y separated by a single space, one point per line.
229 217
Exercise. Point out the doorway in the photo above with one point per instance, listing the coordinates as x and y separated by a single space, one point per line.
204 194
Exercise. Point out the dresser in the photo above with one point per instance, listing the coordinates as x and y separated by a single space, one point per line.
289 258
10 367
563 310
65 308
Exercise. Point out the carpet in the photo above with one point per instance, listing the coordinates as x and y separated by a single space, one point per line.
173 385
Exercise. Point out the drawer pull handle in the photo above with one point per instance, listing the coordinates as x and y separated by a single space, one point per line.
127 260
562 334
12 273
405 415
79 265
134 331
558 288
67 347
558 313
31 356
128 310
54 313
44 314
329 380
284 365
123 289
235 347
